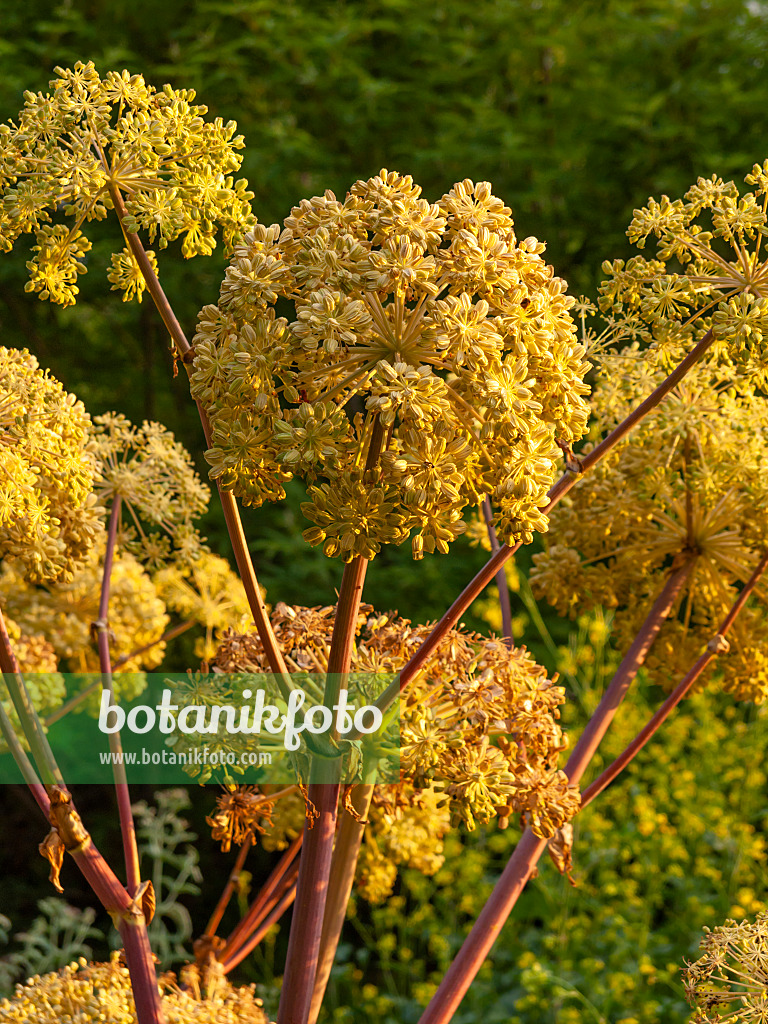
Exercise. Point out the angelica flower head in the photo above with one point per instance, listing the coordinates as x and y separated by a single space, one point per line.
689 482
208 592
710 271
729 982
90 135
65 613
49 516
155 479
429 360
479 727
91 992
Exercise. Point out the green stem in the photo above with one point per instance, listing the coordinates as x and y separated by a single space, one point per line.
56 803
25 765
28 717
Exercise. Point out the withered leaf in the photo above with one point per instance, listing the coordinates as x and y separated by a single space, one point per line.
52 848
560 847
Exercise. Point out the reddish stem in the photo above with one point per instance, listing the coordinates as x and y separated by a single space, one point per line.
344 864
126 913
256 910
229 505
229 888
127 826
501 576
316 854
713 649
311 892
169 634
499 905
266 924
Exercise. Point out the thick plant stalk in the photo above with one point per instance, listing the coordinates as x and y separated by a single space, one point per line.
501 576
127 826
256 911
127 912
343 866
512 881
311 892
229 505
715 646
555 494
323 794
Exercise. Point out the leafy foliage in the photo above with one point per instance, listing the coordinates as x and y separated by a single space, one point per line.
58 935
166 843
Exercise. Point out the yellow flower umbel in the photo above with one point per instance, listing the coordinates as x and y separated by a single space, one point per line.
406 828
207 592
91 134
709 271
690 481
48 515
430 322
155 479
729 983
479 726
65 613
36 656
91 992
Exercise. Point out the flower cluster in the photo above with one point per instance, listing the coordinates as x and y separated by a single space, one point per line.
48 514
478 726
154 476
207 592
708 272
241 812
91 992
691 481
65 613
90 135
730 981
430 360
406 829
45 686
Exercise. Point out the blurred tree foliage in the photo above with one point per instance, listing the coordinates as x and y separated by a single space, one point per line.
575 112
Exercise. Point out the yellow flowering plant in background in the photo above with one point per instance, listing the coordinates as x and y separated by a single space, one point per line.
410 362
693 478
